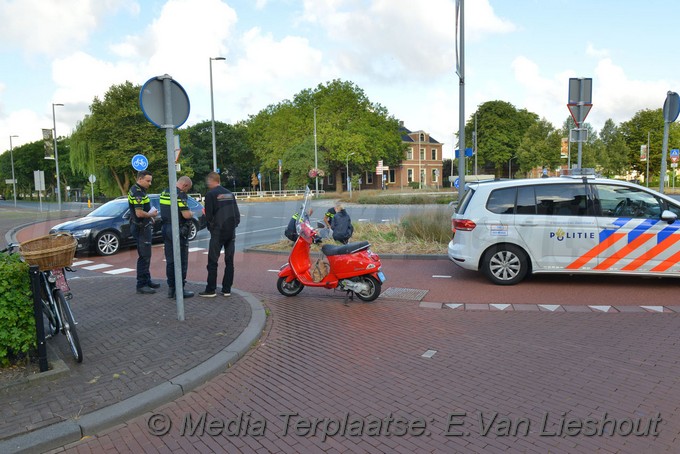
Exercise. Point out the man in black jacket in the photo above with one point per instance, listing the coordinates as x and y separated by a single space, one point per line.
142 216
185 216
341 225
221 212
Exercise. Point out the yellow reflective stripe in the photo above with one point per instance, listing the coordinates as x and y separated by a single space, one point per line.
165 198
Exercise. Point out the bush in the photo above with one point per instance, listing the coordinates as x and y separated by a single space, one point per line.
434 225
17 324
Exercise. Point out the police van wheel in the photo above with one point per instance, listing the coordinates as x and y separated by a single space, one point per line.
505 264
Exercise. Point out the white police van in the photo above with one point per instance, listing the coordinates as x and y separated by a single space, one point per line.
509 228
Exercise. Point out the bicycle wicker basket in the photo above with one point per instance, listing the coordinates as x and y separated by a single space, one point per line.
50 251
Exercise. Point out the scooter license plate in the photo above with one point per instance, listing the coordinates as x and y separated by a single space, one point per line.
381 276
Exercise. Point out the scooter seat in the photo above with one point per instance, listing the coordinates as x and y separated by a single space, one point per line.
329 250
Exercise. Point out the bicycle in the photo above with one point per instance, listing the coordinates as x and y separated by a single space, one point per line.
54 295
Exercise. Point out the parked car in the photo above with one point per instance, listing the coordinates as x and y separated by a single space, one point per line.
106 229
508 229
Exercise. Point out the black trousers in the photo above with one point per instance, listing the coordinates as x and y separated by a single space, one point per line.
218 240
170 256
142 236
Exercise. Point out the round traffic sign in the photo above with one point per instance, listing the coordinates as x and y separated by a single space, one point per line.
152 102
456 182
139 162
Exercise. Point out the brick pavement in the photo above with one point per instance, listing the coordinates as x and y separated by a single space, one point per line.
130 344
322 360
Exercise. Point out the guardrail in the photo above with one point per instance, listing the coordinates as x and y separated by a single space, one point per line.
274 194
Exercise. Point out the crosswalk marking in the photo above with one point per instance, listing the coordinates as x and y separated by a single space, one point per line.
196 249
82 262
119 271
98 266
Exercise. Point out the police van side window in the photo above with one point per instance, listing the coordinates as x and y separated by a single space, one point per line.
526 200
626 202
562 200
502 201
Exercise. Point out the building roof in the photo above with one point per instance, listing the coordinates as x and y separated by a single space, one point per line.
405 137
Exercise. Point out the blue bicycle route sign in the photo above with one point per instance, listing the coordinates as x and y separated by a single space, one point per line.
139 162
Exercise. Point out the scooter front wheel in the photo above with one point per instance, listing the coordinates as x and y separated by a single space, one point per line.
291 288
372 290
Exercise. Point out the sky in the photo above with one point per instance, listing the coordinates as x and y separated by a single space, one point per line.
400 52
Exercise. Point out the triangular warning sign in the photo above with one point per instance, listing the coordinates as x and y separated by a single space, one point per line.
579 113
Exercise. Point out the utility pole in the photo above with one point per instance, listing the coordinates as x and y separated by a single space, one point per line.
460 13
316 156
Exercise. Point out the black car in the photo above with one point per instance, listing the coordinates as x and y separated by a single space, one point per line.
107 229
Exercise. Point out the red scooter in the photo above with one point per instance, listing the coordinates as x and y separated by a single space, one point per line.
352 267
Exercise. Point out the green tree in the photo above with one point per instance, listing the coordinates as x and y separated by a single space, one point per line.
540 147
348 123
615 155
500 129
115 130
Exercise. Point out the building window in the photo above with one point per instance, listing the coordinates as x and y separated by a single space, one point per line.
422 137
409 175
435 176
409 154
434 154
423 181
369 178
422 154
392 178
331 179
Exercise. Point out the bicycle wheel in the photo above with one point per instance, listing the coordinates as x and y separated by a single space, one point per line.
69 325
52 326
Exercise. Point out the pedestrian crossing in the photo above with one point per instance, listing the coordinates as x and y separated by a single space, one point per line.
115 270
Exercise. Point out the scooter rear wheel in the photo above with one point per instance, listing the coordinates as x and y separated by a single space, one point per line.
291 288
373 291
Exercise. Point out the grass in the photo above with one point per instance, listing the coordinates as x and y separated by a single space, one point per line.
428 234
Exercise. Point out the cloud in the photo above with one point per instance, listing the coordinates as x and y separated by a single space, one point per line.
591 51
36 26
395 39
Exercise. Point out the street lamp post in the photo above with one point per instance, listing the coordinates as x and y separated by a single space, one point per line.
11 157
56 154
316 156
212 114
349 184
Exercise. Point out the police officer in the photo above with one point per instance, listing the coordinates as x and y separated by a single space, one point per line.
222 214
142 216
185 218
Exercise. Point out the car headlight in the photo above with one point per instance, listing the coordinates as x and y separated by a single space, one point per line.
81 233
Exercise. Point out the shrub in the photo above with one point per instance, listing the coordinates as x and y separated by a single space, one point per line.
434 225
17 324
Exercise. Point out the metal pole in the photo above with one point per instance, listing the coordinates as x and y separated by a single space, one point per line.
664 151
474 143
212 114
172 184
569 151
34 273
14 181
56 154
316 155
420 168
461 105
647 177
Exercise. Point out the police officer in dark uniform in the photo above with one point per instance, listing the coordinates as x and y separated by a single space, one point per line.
142 216
222 214
185 215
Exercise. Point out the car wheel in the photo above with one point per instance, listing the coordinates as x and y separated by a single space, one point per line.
107 243
193 232
505 264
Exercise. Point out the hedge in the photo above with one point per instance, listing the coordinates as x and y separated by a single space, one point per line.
17 324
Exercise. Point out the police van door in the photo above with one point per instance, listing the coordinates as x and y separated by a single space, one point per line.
633 238
557 223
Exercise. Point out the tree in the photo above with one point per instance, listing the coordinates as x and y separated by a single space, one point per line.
540 147
347 123
615 155
500 129
115 130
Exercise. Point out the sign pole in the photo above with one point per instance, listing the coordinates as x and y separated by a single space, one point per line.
461 99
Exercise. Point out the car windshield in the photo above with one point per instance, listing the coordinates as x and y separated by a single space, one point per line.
110 209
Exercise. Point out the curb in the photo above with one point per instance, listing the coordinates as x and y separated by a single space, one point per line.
382 256
72 430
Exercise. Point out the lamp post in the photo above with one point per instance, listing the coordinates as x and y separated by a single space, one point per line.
349 184
212 114
316 156
56 154
11 157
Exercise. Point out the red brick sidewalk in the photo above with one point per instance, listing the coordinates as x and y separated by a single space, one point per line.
321 361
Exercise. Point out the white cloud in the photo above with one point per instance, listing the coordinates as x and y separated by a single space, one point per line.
51 27
400 39
591 51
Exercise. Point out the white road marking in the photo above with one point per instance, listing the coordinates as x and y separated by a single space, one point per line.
653 308
364 220
119 271
385 220
261 230
454 305
429 353
97 267
82 262
601 308
441 276
500 307
550 307
196 249
273 271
